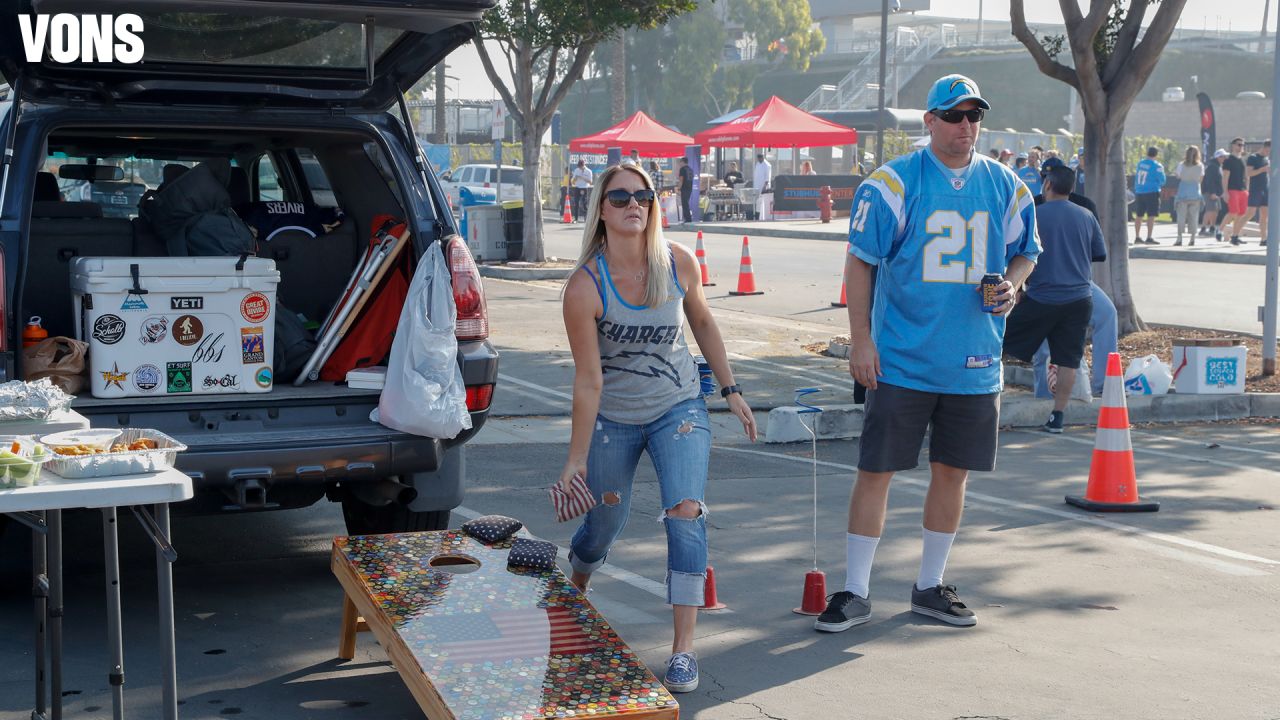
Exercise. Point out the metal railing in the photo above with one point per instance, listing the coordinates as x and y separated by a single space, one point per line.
860 87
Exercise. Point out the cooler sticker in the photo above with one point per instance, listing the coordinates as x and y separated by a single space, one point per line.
187 330
1220 371
146 377
178 377
154 329
108 329
226 382
114 377
255 307
134 302
263 377
252 345
978 361
209 350
186 303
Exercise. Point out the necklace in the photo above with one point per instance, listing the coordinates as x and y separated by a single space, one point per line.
638 275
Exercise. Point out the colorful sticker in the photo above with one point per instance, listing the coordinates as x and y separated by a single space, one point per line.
978 361
255 307
252 345
187 330
186 303
209 350
114 376
263 377
224 382
108 329
1220 372
154 329
146 377
134 302
178 377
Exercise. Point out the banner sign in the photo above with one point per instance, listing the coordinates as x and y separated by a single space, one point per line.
792 193
1208 129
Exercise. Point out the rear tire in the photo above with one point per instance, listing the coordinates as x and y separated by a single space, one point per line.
364 519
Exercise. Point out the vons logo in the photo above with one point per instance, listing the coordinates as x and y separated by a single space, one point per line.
82 38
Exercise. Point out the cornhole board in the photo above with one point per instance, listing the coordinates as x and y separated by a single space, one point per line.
490 644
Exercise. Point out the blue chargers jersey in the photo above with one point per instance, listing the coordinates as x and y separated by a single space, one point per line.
933 235
1031 178
1149 177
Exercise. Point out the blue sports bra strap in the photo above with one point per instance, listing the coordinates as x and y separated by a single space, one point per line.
671 255
599 289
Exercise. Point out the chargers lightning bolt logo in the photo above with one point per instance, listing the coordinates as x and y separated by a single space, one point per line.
962 84
667 370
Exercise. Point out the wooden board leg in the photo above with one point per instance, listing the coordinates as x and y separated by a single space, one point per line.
347 634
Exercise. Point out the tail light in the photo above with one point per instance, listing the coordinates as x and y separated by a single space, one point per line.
468 293
486 184
479 397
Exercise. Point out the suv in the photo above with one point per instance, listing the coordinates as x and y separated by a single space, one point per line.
484 176
306 106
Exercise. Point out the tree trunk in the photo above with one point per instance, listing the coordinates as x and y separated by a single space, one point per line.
1105 184
531 152
618 82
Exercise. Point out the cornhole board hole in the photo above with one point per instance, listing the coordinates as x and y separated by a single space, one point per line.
474 640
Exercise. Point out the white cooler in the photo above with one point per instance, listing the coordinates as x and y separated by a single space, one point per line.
172 326
1209 366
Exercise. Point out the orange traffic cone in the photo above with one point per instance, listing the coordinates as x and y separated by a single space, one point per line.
1113 484
665 222
710 601
701 254
567 217
746 278
844 300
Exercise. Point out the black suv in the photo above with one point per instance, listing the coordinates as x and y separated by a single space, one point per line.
304 99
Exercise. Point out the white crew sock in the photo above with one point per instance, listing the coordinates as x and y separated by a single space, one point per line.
859 553
933 559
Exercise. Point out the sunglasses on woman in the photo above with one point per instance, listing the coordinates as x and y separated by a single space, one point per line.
621 198
955 116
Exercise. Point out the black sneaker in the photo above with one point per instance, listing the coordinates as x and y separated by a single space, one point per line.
1235 240
1151 241
1217 236
844 610
942 603
1055 422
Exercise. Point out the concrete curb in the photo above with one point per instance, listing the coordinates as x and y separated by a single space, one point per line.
1150 253
766 231
508 272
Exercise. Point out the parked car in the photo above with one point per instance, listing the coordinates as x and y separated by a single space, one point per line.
289 102
484 176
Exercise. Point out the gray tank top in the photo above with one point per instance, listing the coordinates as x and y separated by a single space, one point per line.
646 363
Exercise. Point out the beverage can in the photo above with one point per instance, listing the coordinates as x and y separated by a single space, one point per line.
990 284
706 382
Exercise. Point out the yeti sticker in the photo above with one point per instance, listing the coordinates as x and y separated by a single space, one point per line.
154 329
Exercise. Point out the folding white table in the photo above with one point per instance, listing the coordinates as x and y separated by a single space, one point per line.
40 508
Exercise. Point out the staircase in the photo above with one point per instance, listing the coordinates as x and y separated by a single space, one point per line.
859 89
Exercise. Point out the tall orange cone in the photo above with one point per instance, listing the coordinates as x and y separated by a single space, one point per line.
1113 484
701 254
665 222
844 299
567 217
709 599
746 278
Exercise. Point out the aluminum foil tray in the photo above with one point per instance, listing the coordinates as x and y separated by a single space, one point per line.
76 467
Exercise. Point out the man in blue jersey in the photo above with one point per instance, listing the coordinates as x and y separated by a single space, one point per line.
1030 173
1148 178
931 224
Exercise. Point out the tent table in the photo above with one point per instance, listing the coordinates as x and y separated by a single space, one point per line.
490 644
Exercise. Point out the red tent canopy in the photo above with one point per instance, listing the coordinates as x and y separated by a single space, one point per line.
639 132
777 123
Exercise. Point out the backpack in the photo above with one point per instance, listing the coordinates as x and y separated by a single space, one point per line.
193 214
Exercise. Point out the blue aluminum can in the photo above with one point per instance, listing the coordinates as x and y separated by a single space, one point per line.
706 381
990 282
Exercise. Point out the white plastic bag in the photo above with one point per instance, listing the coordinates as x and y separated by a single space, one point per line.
1081 389
1147 376
424 394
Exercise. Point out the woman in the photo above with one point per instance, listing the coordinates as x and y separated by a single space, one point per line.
636 388
1187 201
806 168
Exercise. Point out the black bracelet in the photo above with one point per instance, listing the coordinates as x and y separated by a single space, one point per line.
729 390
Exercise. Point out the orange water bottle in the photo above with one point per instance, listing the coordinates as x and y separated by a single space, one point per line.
33 333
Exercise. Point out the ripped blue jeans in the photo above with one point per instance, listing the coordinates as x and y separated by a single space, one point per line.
679 444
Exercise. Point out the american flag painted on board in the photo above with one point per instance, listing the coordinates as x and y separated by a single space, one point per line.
509 634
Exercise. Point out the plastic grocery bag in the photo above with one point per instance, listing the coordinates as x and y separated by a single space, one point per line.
1147 376
424 394
1081 390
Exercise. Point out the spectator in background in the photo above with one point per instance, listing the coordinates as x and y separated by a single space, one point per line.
1030 173
1148 178
1006 157
684 184
655 174
1186 203
733 178
1077 163
806 168
1211 191
1257 167
634 158
1233 178
995 154
1019 163
762 175
581 189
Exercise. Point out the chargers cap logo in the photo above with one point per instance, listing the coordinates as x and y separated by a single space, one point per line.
952 90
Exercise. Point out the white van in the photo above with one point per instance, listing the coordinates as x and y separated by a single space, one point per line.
484 176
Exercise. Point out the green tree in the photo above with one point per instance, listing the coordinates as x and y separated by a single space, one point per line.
1111 66
546 44
781 29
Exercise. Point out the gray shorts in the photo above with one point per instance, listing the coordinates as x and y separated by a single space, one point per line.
964 429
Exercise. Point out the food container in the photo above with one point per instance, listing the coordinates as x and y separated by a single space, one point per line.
121 463
21 469
99 439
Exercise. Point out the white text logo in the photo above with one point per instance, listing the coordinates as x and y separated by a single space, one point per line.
82 38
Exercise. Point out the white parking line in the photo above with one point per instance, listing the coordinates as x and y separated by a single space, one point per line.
1052 512
792 371
1171 455
545 393
1201 444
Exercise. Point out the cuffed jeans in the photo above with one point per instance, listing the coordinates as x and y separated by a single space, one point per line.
679 444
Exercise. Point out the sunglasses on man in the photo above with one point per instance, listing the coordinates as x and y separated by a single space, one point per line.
621 198
954 116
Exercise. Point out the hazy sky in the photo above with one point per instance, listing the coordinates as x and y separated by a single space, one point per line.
464 63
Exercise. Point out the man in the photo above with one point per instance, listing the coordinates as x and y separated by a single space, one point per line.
1059 299
1257 168
1074 197
762 174
634 158
1030 173
1148 178
581 189
1234 179
1006 157
930 224
684 184
1077 164
1212 190
733 178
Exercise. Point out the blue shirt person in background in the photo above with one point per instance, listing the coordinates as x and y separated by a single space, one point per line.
931 224
1030 173
1148 178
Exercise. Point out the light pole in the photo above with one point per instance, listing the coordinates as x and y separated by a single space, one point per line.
884 41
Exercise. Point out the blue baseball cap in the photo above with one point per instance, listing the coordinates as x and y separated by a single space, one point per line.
951 90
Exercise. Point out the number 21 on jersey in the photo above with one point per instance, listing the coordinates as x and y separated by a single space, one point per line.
950 235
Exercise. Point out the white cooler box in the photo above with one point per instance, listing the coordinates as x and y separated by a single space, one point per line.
202 326
1209 366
